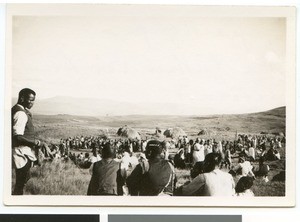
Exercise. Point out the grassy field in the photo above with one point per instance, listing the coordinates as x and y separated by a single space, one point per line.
58 178
64 178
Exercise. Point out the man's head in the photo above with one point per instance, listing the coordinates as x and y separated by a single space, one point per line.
108 151
211 162
26 98
243 184
153 149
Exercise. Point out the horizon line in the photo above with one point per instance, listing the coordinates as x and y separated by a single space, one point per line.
186 115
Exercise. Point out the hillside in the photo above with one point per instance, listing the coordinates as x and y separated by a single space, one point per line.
54 127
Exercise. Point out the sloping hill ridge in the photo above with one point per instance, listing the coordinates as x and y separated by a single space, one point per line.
279 112
220 126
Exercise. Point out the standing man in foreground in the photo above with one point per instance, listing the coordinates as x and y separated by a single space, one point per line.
23 138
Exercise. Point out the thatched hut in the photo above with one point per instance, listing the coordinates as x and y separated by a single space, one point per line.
281 134
174 133
203 132
128 133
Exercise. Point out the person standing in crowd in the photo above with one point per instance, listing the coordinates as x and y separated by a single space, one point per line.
213 182
106 177
153 177
251 152
207 148
227 158
188 153
166 147
198 153
263 170
23 138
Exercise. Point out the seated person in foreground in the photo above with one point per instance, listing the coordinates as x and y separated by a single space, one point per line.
154 176
243 187
213 182
106 178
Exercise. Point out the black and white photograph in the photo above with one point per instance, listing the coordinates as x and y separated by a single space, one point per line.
150 105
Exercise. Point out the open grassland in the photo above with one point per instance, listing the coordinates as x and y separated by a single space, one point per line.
52 128
65 178
57 178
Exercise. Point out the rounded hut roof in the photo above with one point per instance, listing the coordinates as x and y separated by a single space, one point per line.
174 133
128 133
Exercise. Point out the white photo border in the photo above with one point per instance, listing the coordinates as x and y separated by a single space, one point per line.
159 10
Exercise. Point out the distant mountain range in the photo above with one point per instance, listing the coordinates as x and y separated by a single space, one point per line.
102 107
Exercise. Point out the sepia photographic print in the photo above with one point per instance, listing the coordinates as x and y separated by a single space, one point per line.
149 105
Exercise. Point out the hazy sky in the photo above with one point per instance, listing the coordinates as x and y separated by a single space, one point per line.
226 65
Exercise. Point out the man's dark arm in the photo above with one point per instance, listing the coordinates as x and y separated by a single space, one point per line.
120 183
134 180
22 141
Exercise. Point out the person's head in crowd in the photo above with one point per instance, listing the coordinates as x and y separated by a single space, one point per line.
126 148
243 184
211 162
241 160
154 149
261 160
108 151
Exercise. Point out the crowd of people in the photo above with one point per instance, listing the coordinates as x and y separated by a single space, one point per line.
153 174
251 147
146 167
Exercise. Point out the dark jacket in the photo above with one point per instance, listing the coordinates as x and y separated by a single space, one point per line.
158 179
106 178
29 128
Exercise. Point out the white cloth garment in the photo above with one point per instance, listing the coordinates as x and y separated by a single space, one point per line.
19 153
214 183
